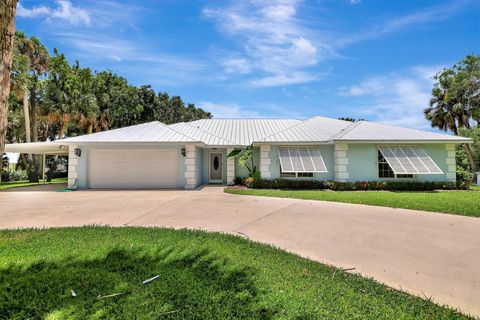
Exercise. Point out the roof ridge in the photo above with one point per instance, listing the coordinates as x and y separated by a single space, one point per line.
296 124
183 134
346 130
267 118
188 124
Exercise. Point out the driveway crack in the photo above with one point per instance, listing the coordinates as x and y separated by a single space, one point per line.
153 209
265 216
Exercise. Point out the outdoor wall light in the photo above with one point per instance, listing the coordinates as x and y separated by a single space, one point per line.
77 152
183 152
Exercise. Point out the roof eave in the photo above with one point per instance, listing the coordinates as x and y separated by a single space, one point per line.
400 141
126 142
294 143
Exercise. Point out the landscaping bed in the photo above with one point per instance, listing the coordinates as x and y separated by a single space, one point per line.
305 184
97 272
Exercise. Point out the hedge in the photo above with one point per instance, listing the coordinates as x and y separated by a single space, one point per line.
350 186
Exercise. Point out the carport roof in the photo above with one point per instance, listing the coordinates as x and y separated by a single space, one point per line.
147 132
37 148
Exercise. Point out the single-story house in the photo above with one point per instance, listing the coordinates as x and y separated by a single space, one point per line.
189 154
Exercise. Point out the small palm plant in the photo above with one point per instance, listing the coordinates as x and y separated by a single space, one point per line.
245 159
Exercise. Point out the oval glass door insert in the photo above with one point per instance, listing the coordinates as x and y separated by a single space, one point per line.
216 163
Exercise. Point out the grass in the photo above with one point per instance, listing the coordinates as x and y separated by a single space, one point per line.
462 202
19 184
201 276
475 187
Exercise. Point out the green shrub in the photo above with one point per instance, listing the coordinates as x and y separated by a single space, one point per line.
13 175
352 186
238 181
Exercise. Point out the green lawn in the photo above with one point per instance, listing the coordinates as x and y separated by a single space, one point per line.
475 187
18 184
201 276
456 202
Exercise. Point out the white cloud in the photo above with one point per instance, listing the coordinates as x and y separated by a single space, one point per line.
372 86
33 12
64 11
397 99
283 79
355 1
272 40
236 65
228 110
393 24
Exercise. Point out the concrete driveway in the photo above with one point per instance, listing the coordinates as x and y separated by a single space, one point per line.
427 254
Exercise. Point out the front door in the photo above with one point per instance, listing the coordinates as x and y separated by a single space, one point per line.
216 170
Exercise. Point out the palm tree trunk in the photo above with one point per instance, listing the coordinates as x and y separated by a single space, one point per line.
33 105
29 161
90 127
471 159
63 127
7 31
26 114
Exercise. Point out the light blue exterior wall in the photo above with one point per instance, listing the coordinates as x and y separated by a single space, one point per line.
82 166
363 162
328 157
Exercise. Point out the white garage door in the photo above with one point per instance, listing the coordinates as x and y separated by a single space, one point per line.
133 168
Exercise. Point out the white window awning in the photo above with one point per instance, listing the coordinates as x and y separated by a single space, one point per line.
409 160
301 159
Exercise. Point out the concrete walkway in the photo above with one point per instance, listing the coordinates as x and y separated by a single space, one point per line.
427 254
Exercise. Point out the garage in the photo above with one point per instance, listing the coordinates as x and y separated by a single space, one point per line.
134 169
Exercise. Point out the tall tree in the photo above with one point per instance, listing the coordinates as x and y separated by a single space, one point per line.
39 65
60 93
20 80
85 107
118 102
455 101
7 31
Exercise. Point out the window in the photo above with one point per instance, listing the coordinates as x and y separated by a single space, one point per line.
305 174
385 171
287 174
296 174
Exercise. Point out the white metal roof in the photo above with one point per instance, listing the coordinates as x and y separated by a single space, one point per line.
371 131
147 132
316 129
201 135
243 131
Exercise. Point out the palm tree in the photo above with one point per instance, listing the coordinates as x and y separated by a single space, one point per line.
20 80
447 112
39 59
59 93
85 107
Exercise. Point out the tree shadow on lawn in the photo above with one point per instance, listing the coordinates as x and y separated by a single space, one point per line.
190 285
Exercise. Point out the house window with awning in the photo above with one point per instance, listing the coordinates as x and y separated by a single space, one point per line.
300 162
404 162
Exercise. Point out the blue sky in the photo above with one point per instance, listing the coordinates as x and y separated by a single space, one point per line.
268 58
